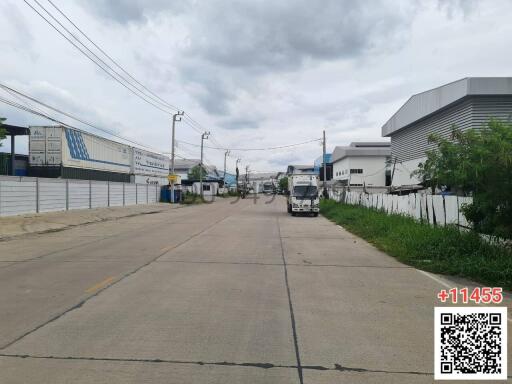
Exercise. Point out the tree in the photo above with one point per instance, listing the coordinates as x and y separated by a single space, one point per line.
477 163
2 130
283 184
196 171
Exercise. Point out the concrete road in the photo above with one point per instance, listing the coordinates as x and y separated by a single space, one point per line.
219 293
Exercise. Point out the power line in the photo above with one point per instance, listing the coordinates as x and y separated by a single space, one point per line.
143 93
124 83
48 117
110 58
129 82
252 149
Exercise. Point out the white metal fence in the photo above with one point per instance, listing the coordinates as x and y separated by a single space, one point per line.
20 195
435 209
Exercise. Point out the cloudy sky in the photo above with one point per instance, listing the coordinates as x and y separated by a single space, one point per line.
255 73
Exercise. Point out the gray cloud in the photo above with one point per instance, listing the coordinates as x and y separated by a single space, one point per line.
454 7
22 40
240 123
126 11
232 45
261 35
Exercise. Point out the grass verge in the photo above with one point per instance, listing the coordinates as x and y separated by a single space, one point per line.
444 250
192 198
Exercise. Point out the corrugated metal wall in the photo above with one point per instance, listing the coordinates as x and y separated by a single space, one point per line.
411 142
474 112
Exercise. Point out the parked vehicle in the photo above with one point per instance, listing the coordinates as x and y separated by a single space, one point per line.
302 194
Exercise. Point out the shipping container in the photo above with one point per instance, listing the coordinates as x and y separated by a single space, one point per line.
71 148
77 173
58 151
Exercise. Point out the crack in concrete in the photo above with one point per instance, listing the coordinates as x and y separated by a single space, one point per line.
82 302
337 367
280 264
290 304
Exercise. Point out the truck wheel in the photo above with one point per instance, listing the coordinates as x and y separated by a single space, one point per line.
289 208
294 213
315 214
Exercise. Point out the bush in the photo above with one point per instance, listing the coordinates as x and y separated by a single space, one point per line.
192 198
444 250
478 163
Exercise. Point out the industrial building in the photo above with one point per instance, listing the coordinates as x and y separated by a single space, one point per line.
319 166
466 103
362 165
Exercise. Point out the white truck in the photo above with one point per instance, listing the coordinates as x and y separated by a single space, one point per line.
302 195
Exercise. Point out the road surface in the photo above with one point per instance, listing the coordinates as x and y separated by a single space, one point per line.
218 293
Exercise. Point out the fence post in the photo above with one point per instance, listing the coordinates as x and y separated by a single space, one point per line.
108 193
136 194
90 194
124 198
147 193
67 195
37 194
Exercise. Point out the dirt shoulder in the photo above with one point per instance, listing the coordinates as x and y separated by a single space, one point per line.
15 226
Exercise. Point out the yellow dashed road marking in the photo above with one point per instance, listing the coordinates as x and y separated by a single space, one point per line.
100 285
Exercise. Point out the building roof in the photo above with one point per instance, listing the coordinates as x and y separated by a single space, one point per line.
426 103
361 149
186 163
14 130
369 144
256 176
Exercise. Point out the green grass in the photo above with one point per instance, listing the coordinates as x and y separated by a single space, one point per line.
444 250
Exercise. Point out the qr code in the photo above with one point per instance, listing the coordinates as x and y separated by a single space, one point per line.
470 343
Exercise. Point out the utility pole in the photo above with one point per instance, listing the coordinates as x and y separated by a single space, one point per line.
225 156
237 173
176 117
325 168
247 178
204 135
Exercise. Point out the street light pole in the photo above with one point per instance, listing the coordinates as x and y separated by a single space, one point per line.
204 135
176 117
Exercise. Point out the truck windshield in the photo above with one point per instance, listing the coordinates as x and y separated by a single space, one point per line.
305 191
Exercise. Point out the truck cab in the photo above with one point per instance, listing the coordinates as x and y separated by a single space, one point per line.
302 195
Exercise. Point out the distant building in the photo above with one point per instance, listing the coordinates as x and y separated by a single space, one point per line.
293 169
183 166
466 103
361 164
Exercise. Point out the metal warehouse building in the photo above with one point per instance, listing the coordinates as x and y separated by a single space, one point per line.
466 103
